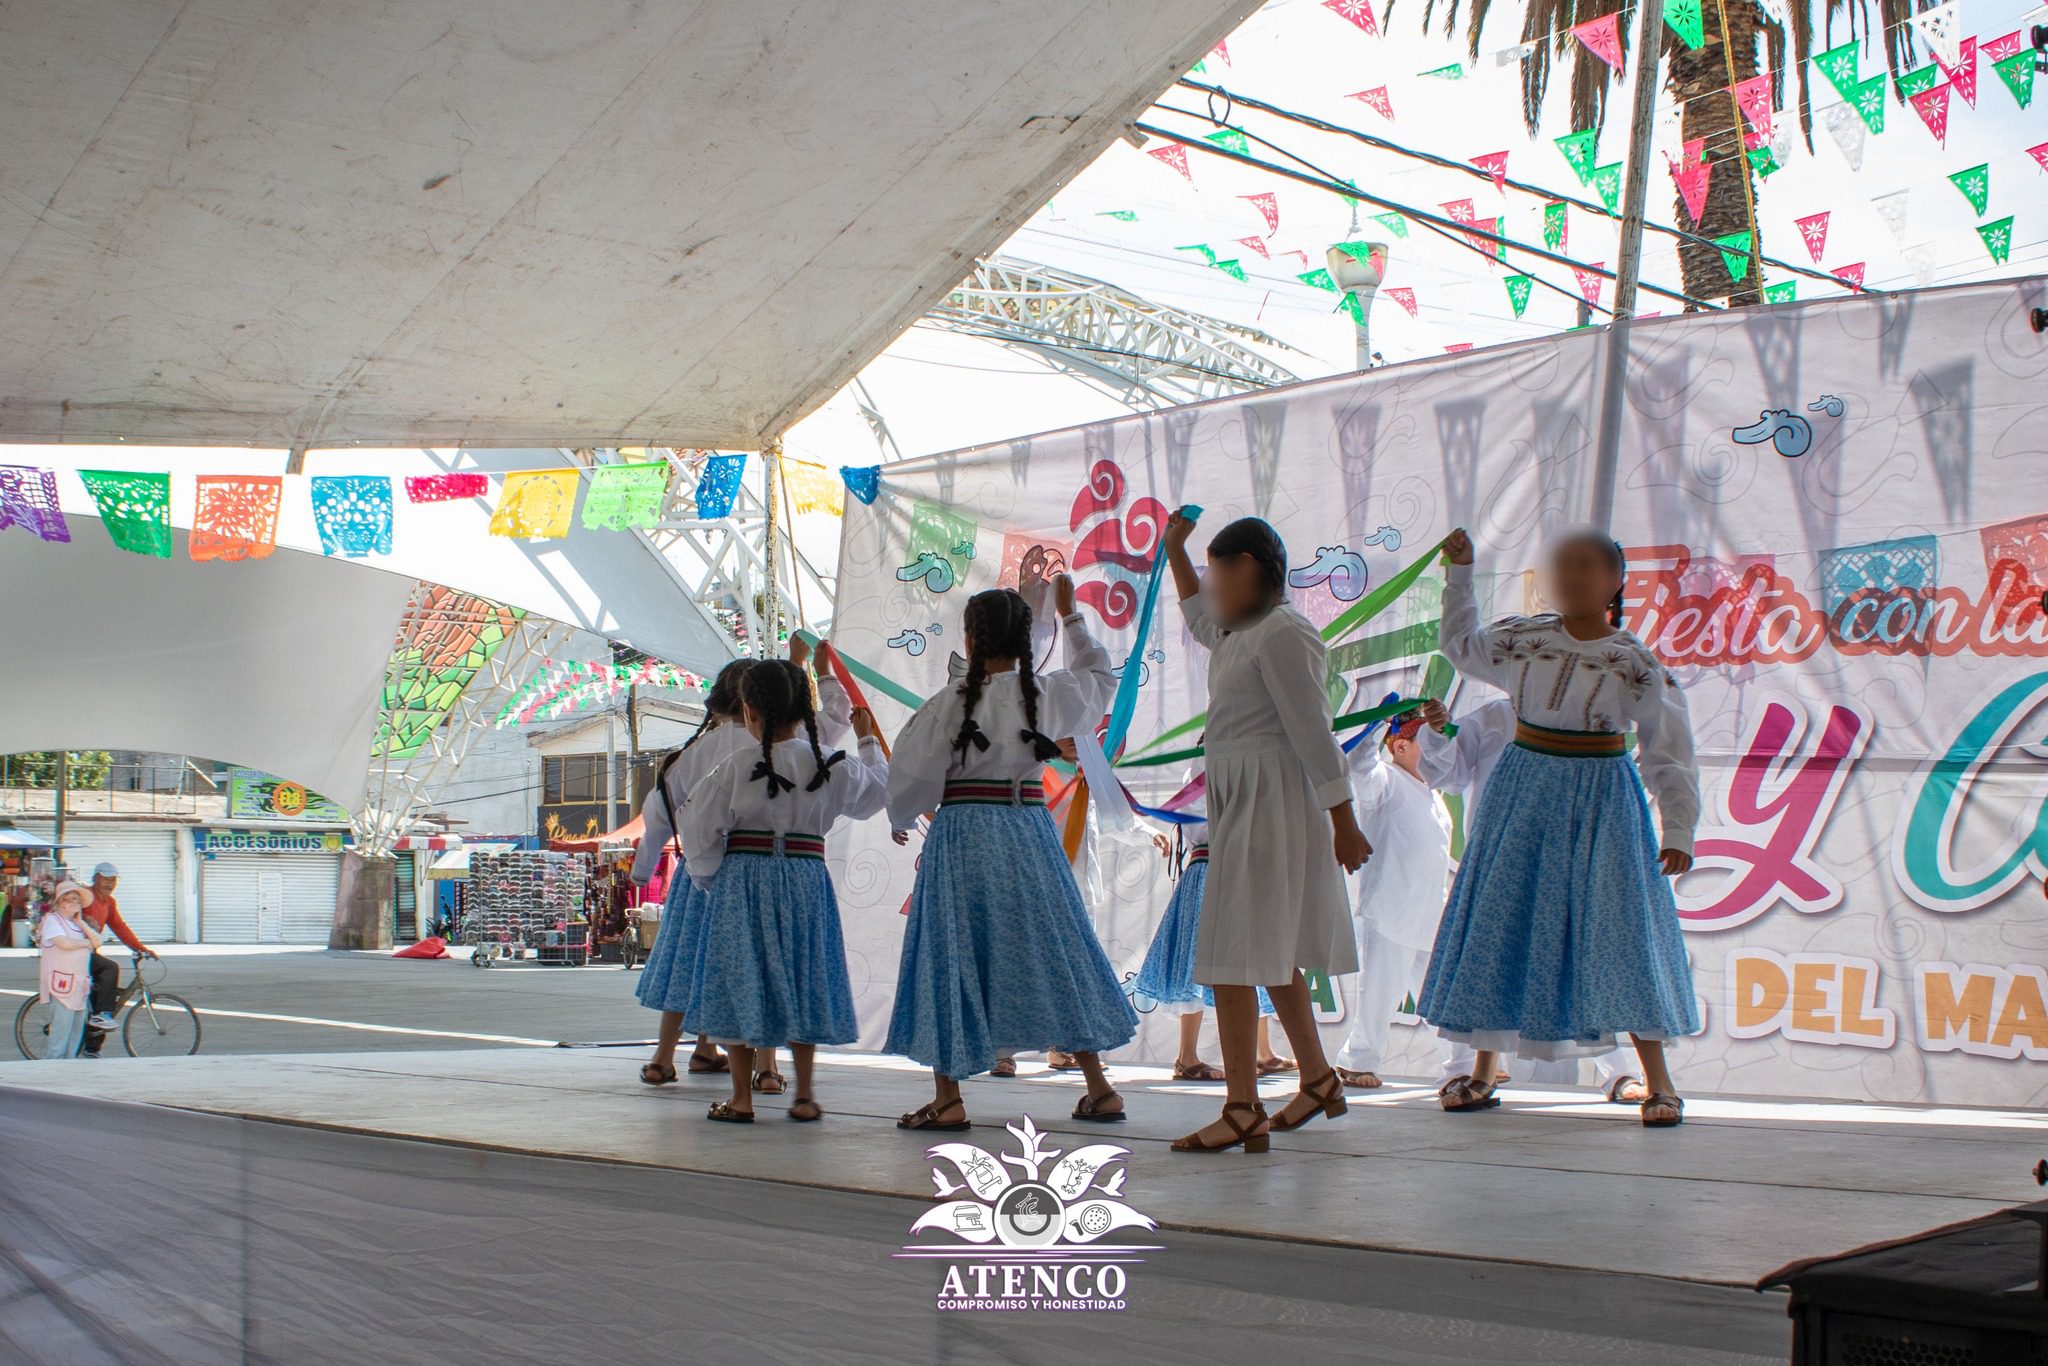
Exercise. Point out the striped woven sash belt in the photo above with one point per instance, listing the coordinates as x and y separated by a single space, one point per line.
1199 854
994 792
1571 744
779 846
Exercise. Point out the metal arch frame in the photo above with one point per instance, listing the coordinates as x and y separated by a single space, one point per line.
1145 354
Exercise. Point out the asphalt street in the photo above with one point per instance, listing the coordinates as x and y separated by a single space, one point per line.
320 1002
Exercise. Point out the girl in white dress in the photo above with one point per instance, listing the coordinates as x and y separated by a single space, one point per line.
1274 900
1561 933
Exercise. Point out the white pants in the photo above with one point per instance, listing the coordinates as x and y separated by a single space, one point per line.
1388 973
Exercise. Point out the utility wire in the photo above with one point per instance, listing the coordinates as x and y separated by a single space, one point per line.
1385 144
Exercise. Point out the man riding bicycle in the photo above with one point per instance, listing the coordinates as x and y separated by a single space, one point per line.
104 914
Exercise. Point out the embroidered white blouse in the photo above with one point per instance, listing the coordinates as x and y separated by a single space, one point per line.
731 798
1069 700
835 722
1606 685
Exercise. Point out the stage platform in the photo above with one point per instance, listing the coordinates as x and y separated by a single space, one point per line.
1552 1228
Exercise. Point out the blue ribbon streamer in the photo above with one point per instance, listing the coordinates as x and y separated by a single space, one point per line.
1125 705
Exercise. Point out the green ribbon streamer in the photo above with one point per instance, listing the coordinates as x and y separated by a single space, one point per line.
882 684
1344 722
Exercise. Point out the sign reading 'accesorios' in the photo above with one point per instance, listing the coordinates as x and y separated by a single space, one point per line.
268 841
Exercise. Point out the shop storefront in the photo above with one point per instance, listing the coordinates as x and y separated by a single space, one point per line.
268 886
147 856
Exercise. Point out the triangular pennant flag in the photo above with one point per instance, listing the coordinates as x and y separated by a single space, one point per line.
1404 297
1495 164
1233 268
1120 215
1460 210
1520 52
1850 275
1357 11
2040 155
1838 64
1581 149
1491 226
1753 98
1813 230
1257 244
1556 224
1519 287
1932 107
1998 49
1913 82
1377 257
1845 126
1602 38
1375 99
1607 184
1360 251
1975 185
1590 281
1392 222
1268 205
1175 156
234 516
1208 252
1781 293
1938 26
1763 161
863 482
1320 279
1453 72
1686 21
1962 72
2017 72
1868 100
135 507
1920 259
1354 308
1997 238
1735 254
1230 140
1891 208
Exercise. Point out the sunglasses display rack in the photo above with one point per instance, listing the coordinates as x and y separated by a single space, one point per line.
527 903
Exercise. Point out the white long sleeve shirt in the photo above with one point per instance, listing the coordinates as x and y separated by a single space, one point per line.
1605 685
1400 890
1268 691
731 797
1463 762
1069 700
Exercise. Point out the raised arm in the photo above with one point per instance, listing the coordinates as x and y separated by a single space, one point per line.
1073 699
835 712
860 783
1188 585
1465 642
1664 754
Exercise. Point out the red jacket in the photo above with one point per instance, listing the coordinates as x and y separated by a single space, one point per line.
105 914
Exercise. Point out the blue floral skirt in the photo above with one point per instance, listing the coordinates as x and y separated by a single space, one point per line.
661 985
999 954
1561 933
761 959
1167 977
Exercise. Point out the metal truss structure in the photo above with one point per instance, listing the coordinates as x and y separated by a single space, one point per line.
402 788
1145 354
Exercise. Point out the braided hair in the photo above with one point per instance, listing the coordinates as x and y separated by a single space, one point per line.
780 694
998 626
722 703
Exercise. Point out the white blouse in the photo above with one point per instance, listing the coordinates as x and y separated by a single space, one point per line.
1070 700
835 722
1268 691
1606 685
1400 889
731 797
1463 762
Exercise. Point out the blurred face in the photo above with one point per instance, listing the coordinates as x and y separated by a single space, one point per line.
103 886
1582 580
1236 589
1406 754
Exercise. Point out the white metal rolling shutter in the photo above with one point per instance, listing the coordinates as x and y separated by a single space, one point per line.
311 883
148 859
230 891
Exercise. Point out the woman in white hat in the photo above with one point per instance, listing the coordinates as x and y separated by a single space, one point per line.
67 942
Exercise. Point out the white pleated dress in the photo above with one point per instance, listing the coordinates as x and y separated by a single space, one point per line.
1275 898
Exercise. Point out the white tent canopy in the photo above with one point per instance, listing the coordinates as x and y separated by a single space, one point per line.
275 663
519 223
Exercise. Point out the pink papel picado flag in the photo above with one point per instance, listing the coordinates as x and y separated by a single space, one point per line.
1814 229
1602 38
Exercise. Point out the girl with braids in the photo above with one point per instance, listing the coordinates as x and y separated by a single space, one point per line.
719 735
999 954
1561 932
762 959
1281 827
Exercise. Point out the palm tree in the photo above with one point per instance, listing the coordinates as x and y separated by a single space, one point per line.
1697 81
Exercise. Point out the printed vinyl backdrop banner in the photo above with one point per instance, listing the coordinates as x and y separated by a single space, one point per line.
1837 521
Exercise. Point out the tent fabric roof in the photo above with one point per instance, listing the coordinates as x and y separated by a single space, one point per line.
325 222
275 663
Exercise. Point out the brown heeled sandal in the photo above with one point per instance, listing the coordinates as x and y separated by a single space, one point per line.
926 1116
1328 1094
1252 1136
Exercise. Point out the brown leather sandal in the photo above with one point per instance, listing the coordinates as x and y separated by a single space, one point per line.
804 1110
1252 1136
724 1113
1003 1067
1328 1094
702 1062
770 1083
1197 1071
1663 1100
926 1116
1364 1081
1089 1108
1461 1095
658 1074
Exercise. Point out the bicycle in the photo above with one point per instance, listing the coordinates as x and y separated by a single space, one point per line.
157 1025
